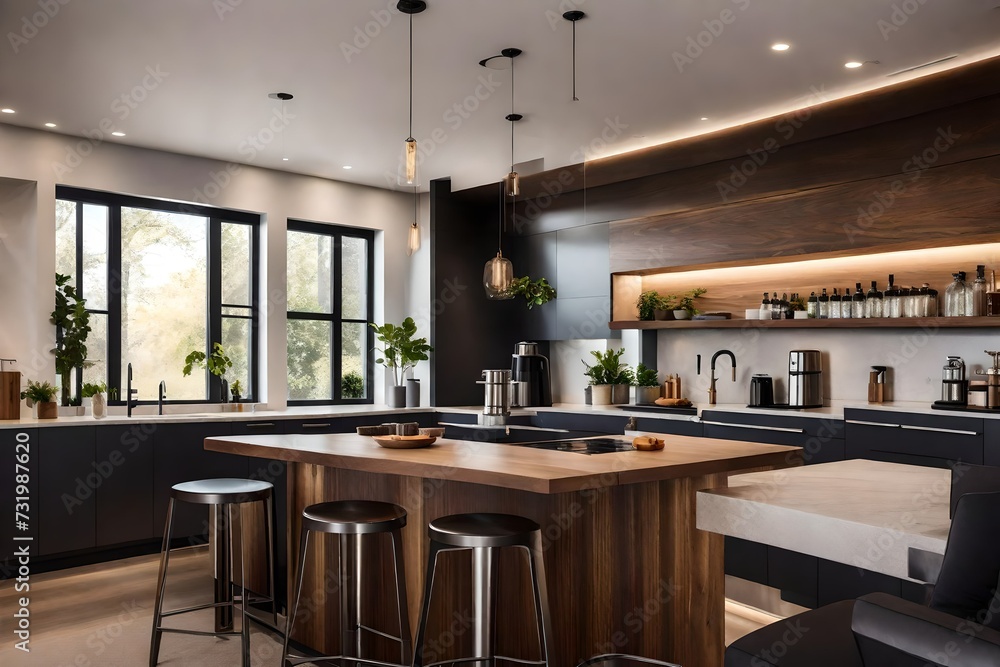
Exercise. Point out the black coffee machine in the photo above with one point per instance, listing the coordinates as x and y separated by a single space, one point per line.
529 378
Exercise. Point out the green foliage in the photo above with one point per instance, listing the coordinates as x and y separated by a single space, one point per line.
352 385
535 293
236 390
217 363
38 392
646 377
608 368
651 301
72 328
686 301
400 350
89 389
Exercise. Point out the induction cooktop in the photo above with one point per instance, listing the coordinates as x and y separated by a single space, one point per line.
597 445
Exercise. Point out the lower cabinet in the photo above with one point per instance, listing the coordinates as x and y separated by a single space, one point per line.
124 464
928 440
18 447
821 439
68 481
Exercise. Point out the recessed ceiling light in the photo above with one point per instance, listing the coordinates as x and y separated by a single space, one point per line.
117 134
780 46
50 125
284 159
6 111
347 166
854 64
704 117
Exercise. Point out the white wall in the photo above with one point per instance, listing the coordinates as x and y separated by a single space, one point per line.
44 159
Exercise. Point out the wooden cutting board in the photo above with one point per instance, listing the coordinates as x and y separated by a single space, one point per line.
10 395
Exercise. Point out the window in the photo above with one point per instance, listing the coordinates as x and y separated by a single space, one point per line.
161 279
330 273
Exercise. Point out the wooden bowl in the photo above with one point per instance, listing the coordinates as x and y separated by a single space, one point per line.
404 441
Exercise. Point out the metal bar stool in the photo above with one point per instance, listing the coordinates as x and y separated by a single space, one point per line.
223 494
484 534
350 520
615 659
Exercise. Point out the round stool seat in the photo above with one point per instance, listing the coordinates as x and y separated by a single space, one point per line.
353 517
221 491
483 530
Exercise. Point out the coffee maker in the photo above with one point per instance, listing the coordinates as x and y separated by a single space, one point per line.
530 382
805 379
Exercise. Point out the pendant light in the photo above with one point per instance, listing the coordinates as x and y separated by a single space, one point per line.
513 181
498 275
413 240
407 175
574 16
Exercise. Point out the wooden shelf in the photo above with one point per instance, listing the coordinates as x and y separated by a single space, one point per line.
873 323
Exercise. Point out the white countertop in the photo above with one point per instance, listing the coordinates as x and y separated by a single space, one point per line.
862 513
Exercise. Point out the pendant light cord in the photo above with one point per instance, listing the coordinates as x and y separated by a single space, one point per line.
503 214
575 98
411 76
512 114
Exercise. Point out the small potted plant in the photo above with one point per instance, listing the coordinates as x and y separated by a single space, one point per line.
216 363
607 373
352 385
400 352
535 293
647 385
72 321
684 307
236 389
652 306
92 397
39 395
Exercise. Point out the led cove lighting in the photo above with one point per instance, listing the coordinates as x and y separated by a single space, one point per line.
780 47
117 134
854 64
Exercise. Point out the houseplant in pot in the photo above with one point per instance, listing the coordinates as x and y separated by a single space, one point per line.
684 305
217 363
648 303
535 293
607 371
92 398
647 385
400 352
72 328
39 395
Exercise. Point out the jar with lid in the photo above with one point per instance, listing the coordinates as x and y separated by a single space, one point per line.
908 298
979 289
835 305
954 296
932 301
812 306
824 306
764 312
891 304
845 304
873 302
858 303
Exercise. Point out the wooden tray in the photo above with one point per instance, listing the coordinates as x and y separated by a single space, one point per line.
404 441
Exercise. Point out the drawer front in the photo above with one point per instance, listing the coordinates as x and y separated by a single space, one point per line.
816 426
935 423
670 426
917 446
259 427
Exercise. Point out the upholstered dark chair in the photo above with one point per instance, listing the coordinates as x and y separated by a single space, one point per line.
959 628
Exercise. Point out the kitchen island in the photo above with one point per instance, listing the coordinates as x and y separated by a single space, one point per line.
627 569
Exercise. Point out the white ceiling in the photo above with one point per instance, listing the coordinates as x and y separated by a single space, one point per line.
223 57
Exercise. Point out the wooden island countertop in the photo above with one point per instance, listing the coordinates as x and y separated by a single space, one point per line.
627 570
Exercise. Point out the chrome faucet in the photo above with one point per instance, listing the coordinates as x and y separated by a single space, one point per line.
711 388
131 392
162 395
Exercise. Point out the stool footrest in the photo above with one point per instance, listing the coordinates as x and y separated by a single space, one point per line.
380 633
300 660
201 633
456 661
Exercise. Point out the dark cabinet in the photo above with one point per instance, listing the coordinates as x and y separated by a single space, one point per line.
18 447
940 441
991 442
821 438
124 459
68 482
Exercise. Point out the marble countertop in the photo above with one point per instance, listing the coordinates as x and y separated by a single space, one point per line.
862 513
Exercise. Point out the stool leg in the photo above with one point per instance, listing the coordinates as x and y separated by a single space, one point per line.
484 590
244 597
536 566
154 646
350 595
425 605
303 546
269 524
223 569
406 648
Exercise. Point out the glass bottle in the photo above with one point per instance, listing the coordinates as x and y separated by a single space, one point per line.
932 301
765 308
924 301
824 305
775 307
979 290
967 303
890 304
845 304
954 297
873 302
786 307
835 305
858 303
906 301
812 306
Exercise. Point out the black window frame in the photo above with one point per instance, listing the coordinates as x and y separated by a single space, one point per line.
216 218
337 233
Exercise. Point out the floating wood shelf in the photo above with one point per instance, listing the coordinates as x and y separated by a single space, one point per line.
873 323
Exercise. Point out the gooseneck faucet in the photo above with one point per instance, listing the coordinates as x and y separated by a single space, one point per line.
160 396
711 388
131 392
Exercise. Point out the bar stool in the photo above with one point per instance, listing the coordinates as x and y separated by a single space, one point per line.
485 534
351 519
616 659
223 494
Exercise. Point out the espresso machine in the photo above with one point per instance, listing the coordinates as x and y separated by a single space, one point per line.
530 381
954 385
992 381
805 379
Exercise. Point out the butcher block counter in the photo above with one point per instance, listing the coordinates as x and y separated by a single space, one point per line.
627 570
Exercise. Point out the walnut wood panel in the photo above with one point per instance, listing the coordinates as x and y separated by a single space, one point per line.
779 166
927 323
947 205
10 395
936 91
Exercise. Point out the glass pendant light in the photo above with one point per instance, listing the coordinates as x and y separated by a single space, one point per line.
407 175
513 181
498 275
413 240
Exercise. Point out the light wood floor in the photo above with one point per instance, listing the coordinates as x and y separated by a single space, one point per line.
101 615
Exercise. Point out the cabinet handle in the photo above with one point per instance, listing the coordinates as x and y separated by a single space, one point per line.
315 426
864 423
953 431
760 428
259 424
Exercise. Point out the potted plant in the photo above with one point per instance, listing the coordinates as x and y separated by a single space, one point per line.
400 352
607 372
216 363
236 389
39 395
92 398
72 328
684 307
352 385
535 293
648 303
647 385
